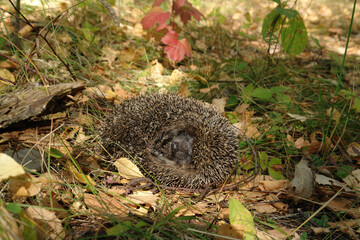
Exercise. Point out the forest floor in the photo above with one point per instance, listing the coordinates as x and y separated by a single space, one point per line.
298 175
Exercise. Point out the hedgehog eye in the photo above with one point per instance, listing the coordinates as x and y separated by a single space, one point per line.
174 146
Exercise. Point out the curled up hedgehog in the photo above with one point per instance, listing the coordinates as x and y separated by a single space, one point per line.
181 142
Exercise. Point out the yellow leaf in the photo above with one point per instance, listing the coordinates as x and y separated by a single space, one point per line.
127 169
9 167
239 215
81 177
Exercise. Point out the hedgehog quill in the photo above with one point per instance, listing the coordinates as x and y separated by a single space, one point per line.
179 141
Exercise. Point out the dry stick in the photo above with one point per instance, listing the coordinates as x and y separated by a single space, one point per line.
47 42
26 67
315 213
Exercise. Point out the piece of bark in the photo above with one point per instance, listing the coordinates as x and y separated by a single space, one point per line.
25 104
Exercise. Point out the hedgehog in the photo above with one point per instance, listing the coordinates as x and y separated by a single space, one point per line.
180 142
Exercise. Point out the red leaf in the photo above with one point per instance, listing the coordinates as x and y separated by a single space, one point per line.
176 49
157 3
179 3
186 11
156 14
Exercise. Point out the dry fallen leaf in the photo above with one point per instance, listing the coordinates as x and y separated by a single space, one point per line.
274 186
176 77
219 104
11 231
127 169
344 205
9 167
6 74
25 185
303 183
183 91
81 177
235 231
143 197
300 143
241 108
353 180
316 146
47 221
335 114
103 204
353 149
264 208
297 117
324 180
207 90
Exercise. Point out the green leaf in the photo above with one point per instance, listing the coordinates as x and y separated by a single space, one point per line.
246 93
56 153
317 161
233 118
238 214
119 228
14 208
240 66
342 173
356 105
282 99
141 224
232 101
274 161
248 163
278 89
347 94
2 43
294 36
290 13
277 1
262 93
271 24
264 161
29 232
275 174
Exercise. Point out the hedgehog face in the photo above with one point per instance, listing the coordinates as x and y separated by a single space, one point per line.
175 146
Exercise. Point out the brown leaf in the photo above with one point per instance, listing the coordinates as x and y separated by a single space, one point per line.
274 186
300 143
127 169
50 226
183 91
207 90
231 230
240 109
25 185
103 204
303 183
335 114
353 149
219 104
353 180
